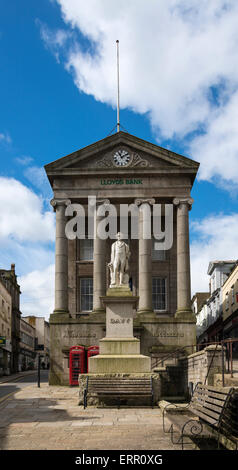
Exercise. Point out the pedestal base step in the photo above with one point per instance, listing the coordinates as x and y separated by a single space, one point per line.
131 363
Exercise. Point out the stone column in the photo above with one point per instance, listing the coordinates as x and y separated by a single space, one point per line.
183 258
61 256
145 263
99 263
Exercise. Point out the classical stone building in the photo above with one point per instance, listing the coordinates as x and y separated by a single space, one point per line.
121 169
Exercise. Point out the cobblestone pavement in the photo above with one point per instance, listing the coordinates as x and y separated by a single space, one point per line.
50 418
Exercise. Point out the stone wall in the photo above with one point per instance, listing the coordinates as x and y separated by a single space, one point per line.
68 332
201 366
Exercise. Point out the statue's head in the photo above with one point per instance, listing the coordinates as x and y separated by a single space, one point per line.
119 235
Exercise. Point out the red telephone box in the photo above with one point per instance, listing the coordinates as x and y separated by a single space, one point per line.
76 363
92 351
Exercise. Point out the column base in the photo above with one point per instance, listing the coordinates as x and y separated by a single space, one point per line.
145 311
185 314
98 310
60 310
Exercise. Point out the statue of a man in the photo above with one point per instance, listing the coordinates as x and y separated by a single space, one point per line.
119 262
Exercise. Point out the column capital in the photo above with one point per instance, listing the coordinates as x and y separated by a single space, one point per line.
59 202
150 201
102 202
97 202
183 200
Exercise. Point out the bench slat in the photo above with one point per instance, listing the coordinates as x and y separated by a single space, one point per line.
222 398
207 411
143 384
123 393
119 385
212 407
204 416
222 390
213 401
119 390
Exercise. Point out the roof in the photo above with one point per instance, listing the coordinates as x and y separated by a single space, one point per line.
213 264
74 163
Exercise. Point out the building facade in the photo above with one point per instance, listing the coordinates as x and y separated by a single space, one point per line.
27 354
42 334
210 316
9 279
5 330
121 169
230 306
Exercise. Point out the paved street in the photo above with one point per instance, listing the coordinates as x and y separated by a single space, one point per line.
9 385
50 418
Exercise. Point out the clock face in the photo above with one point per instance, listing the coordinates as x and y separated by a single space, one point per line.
121 157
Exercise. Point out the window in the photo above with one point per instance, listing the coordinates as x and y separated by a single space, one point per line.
86 249
86 294
227 301
159 293
232 295
157 255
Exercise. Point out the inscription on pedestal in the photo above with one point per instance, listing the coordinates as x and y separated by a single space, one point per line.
119 321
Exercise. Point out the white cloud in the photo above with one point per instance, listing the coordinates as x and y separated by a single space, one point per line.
37 176
38 292
217 150
22 216
24 161
27 233
216 239
173 53
53 39
5 138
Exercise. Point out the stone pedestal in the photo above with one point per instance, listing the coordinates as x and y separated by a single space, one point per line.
119 351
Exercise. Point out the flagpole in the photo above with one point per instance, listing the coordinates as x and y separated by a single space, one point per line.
118 91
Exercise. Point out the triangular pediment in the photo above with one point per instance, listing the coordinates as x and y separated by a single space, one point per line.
140 155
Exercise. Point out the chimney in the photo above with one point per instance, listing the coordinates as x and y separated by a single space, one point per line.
13 268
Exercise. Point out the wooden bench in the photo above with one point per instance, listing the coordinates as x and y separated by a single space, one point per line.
119 388
210 413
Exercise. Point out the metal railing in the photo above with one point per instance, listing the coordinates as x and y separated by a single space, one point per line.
227 354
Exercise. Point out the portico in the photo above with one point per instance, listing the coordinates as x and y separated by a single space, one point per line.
160 278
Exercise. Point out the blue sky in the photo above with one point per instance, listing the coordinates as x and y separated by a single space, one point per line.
58 94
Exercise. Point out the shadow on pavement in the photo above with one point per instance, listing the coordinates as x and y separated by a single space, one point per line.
16 414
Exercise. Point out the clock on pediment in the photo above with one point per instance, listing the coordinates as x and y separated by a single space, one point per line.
121 157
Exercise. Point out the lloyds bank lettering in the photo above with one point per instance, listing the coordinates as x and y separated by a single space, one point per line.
121 181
